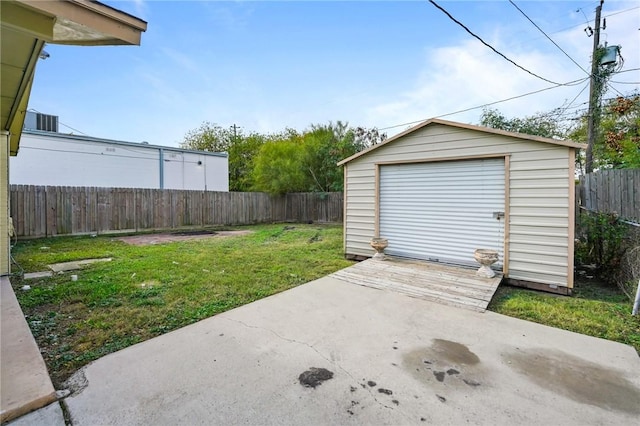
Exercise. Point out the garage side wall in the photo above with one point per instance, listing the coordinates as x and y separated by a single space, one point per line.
539 244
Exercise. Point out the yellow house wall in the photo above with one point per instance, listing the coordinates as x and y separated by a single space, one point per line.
4 204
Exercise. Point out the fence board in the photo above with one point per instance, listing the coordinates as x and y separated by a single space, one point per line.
40 211
612 191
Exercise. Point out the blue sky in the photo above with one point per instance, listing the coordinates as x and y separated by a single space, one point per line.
268 65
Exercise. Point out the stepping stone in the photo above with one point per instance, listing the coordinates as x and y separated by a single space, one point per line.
33 275
78 264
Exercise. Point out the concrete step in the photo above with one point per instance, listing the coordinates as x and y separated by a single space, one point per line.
25 384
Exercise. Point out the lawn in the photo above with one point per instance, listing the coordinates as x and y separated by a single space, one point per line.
596 309
149 290
146 291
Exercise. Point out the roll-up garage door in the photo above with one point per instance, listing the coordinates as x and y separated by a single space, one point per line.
443 211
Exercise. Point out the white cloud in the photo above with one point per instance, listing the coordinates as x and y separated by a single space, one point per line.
468 74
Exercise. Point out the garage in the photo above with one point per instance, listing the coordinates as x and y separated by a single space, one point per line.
442 189
442 211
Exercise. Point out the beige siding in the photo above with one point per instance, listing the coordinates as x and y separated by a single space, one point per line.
4 203
538 193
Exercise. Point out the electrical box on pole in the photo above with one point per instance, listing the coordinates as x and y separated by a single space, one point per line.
610 55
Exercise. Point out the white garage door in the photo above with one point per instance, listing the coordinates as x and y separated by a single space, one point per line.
443 211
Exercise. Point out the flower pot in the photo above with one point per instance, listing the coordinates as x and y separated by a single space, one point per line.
485 258
379 244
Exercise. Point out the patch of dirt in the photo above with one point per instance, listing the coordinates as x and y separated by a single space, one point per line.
150 239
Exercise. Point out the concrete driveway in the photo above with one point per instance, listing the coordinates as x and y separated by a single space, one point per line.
395 360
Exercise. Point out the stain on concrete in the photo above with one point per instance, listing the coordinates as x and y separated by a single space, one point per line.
454 352
76 383
353 404
314 377
441 359
578 379
395 401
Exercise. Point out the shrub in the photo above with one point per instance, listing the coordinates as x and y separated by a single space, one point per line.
602 243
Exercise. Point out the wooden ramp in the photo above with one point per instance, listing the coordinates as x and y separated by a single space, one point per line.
449 285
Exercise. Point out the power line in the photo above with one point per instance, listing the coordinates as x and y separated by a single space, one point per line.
549 38
624 82
589 20
489 46
576 97
570 83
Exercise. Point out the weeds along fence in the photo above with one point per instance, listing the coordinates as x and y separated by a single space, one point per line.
609 191
40 211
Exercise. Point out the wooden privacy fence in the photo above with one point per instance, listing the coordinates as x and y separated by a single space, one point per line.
39 211
611 191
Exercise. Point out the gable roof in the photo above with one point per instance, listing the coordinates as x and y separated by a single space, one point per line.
567 143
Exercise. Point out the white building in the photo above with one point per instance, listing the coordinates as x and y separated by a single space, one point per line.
57 159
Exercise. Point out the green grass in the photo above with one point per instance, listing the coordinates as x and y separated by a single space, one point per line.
146 291
595 309
149 290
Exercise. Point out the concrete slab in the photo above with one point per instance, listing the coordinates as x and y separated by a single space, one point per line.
24 381
51 415
395 359
35 275
72 266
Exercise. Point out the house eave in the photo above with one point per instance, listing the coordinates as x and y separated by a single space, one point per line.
27 24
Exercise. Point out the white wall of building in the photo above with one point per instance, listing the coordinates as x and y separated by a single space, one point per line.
68 160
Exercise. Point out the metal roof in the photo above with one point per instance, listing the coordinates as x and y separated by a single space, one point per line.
83 138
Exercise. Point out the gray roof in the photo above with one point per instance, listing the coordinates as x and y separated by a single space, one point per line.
122 143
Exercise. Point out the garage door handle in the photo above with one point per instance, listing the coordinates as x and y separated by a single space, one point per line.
498 215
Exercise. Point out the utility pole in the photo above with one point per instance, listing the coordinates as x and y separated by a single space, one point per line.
594 94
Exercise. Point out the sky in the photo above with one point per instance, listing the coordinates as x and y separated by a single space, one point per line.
269 65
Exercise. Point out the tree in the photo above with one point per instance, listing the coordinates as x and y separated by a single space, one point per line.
541 124
286 161
240 148
617 144
364 138
208 137
277 167
325 146
316 151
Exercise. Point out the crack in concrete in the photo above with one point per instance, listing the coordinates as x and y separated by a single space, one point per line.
323 356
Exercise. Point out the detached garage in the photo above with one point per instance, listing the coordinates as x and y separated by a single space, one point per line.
440 190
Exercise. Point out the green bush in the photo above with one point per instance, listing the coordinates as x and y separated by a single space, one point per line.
601 243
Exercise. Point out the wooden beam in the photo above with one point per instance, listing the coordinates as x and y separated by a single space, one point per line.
26 20
549 288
